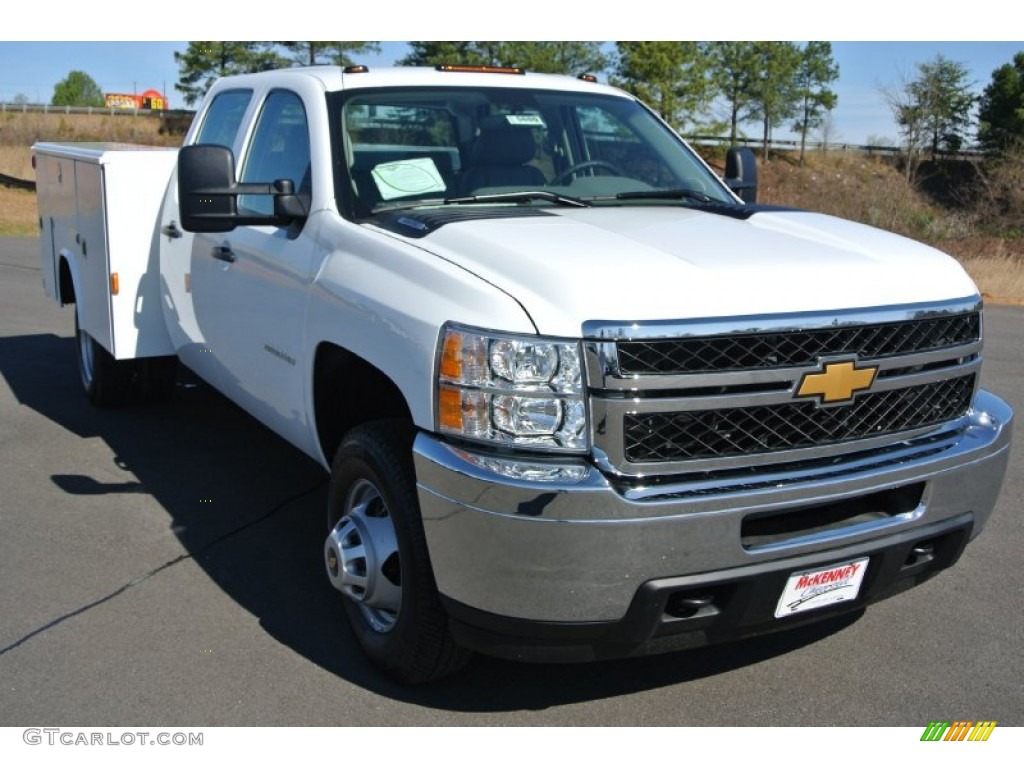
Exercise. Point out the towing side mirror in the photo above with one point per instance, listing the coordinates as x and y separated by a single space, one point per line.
202 170
741 173
208 193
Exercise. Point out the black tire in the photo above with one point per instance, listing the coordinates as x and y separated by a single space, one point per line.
372 483
106 381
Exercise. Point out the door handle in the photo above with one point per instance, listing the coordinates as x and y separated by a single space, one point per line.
171 230
223 253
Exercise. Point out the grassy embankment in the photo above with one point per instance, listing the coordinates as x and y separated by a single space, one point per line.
852 186
870 190
18 214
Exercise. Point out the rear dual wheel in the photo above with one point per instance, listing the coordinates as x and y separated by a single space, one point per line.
110 382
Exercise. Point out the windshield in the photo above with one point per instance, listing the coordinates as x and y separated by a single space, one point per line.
425 146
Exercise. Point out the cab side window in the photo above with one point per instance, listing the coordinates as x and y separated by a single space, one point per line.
279 150
223 118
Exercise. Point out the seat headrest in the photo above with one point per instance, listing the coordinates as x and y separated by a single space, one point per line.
501 143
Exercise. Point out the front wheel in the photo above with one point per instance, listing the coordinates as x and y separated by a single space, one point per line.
376 556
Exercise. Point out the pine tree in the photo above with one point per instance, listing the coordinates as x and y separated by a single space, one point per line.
816 72
309 53
671 77
1001 107
774 93
204 61
571 57
735 68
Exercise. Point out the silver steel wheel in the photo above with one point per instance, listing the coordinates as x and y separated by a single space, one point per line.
376 555
361 556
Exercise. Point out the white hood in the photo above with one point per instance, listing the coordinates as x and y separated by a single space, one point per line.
630 264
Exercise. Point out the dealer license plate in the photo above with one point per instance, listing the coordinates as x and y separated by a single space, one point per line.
807 590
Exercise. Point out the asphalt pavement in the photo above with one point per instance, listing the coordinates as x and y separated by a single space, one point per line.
163 565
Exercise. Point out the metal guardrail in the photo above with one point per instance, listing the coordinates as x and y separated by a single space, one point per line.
830 146
49 109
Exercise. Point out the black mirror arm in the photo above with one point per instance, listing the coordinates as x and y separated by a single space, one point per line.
739 184
279 187
287 205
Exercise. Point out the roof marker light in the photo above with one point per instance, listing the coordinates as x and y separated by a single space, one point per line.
356 69
481 68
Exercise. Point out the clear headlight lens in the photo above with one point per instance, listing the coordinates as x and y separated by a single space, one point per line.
519 390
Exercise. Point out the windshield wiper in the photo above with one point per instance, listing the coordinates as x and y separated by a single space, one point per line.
497 197
666 194
400 206
520 197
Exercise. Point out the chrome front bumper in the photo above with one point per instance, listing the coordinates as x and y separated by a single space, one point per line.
559 542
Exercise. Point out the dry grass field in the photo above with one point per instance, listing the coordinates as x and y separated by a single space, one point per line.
24 128
18 214
869 190
18 131
853 186
996 265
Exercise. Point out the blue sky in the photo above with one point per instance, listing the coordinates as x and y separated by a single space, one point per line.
33 68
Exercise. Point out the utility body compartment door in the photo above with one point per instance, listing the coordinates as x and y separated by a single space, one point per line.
99 206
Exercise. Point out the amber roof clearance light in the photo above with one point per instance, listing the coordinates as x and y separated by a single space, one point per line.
481 68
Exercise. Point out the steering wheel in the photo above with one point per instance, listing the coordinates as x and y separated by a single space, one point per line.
569 172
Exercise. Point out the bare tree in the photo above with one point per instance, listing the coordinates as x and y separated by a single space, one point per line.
828 131
910 121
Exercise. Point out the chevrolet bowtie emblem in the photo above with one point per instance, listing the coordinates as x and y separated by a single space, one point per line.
837 382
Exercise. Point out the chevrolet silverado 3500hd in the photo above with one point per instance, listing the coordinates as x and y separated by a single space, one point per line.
579 397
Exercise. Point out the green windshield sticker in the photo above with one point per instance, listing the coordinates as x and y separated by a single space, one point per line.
418 176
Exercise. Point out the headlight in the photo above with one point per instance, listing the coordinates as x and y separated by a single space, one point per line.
511 390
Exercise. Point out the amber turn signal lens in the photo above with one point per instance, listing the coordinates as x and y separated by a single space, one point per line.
450 409
451 356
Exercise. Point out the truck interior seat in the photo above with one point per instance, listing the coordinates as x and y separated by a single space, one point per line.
500 157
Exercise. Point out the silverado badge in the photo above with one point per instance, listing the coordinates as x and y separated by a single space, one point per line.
837 382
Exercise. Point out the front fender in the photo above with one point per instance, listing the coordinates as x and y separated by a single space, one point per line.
386 300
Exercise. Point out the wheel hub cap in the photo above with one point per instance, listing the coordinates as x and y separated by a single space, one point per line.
361 557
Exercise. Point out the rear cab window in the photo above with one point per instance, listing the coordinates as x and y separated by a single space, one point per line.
223 117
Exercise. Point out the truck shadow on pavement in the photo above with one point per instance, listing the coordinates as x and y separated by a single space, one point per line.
249 510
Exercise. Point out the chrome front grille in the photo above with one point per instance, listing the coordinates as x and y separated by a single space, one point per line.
725 432
675 398
760 350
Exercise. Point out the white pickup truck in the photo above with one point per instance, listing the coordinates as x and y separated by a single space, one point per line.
579 397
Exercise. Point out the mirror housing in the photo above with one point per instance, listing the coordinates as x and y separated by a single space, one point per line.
741 173
208 193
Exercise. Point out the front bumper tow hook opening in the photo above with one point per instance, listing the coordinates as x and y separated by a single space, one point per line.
920 553
685 607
